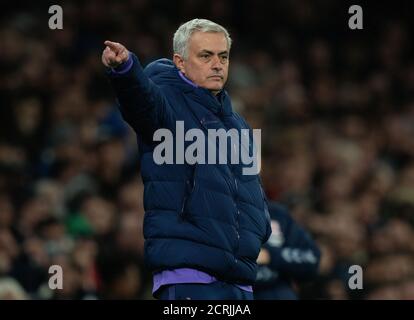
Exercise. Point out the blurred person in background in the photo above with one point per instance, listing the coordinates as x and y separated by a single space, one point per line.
289 257
121 275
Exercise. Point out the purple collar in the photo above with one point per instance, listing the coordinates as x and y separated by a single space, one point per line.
187 80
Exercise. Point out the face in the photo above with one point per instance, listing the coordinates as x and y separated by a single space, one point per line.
208 60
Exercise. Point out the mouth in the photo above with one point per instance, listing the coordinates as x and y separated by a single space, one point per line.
216 77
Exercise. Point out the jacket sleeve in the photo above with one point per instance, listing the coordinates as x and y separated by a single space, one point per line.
141 102
298 257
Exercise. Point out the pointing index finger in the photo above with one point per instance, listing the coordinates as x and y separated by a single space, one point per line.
113 45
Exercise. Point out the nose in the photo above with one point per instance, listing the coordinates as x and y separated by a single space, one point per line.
216 64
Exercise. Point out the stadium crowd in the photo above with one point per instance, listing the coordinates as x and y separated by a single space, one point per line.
336 109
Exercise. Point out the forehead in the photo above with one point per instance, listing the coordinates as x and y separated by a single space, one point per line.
212 41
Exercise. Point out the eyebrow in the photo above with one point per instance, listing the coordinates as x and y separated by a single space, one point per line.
211 52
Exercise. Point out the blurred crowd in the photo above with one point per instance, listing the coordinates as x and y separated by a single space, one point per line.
336 109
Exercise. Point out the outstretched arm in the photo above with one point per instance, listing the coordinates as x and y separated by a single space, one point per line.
141 101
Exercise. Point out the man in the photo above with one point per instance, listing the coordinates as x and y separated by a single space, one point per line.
289 256
204 223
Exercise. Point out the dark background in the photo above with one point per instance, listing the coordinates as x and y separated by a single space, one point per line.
336 109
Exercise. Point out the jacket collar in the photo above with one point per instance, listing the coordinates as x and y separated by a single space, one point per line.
219 104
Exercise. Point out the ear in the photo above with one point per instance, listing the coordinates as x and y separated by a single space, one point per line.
179 62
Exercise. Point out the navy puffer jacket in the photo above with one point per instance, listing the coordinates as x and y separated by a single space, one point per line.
208 217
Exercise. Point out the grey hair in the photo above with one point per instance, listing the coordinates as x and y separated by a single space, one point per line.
184 32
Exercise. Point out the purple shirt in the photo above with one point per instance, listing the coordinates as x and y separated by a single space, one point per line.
186 275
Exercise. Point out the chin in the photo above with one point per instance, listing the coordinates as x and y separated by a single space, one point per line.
216 87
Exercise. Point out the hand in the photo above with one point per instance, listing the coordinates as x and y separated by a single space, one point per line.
114 54
264 257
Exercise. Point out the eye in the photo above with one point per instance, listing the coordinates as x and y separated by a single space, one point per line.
224 58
